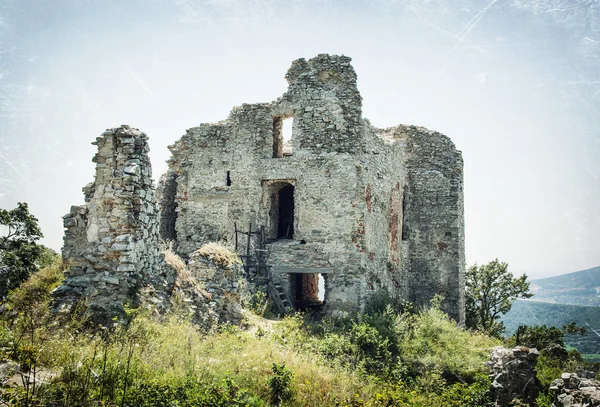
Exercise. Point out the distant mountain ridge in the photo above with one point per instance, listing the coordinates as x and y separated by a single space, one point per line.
577 288
530 313
560 300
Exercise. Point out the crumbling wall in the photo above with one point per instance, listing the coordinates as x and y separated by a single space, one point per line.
221 275
166 192
513 375
576 389
382 208
434 217
382 180
326 105
111 242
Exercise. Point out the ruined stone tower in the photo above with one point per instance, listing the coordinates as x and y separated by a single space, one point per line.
368 209
111 243
345 211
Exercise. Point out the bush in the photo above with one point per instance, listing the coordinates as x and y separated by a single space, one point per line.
433 341
280 384
37 288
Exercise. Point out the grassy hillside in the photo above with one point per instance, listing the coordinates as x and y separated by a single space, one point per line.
384 358
531 313
579 288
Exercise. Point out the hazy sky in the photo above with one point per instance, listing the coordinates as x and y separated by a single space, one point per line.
514 83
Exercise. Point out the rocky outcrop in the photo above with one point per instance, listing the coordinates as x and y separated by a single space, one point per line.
211 287
576 390
513 375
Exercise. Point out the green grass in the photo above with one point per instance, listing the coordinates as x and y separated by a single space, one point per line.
381 359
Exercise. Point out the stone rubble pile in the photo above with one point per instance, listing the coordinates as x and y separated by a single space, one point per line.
211 287
223 280
576 390
513 374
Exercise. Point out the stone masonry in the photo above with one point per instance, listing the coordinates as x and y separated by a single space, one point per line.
373 211
576 390
513 376
111 243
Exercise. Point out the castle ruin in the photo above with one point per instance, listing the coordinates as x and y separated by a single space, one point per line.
339 212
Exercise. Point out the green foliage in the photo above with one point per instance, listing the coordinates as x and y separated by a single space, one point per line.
384 358
36 290
531 313
543 337
436 342
20 256
280 384
490 291
20 223
551 363
258 303
544 400
476 394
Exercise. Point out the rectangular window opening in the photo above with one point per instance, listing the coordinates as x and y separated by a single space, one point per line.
282 136
228 178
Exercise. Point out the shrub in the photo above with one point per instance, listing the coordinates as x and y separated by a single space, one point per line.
432 340
280 384
258 303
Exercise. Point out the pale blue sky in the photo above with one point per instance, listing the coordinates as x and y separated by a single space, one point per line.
515 84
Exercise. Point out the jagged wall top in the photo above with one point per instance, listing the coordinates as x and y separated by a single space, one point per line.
325 102
111 243
323 99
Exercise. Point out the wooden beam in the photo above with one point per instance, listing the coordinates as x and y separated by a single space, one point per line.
302 270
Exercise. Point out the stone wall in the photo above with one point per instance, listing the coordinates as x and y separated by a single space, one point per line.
381 210
356 190
111 242
324 100
514 376
433 224
576 389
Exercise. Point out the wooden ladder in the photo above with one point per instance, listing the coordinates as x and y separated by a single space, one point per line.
279 296
255 265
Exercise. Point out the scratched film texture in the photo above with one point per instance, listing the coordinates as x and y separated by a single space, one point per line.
514 83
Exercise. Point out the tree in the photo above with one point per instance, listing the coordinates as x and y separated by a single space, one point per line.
20 255
543 337
490 291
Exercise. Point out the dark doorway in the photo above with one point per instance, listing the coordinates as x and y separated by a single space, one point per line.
285 222
305 290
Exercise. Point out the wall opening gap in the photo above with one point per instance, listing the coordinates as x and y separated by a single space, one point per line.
307 289
228 178
321 288
282 136
285 221
288 124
